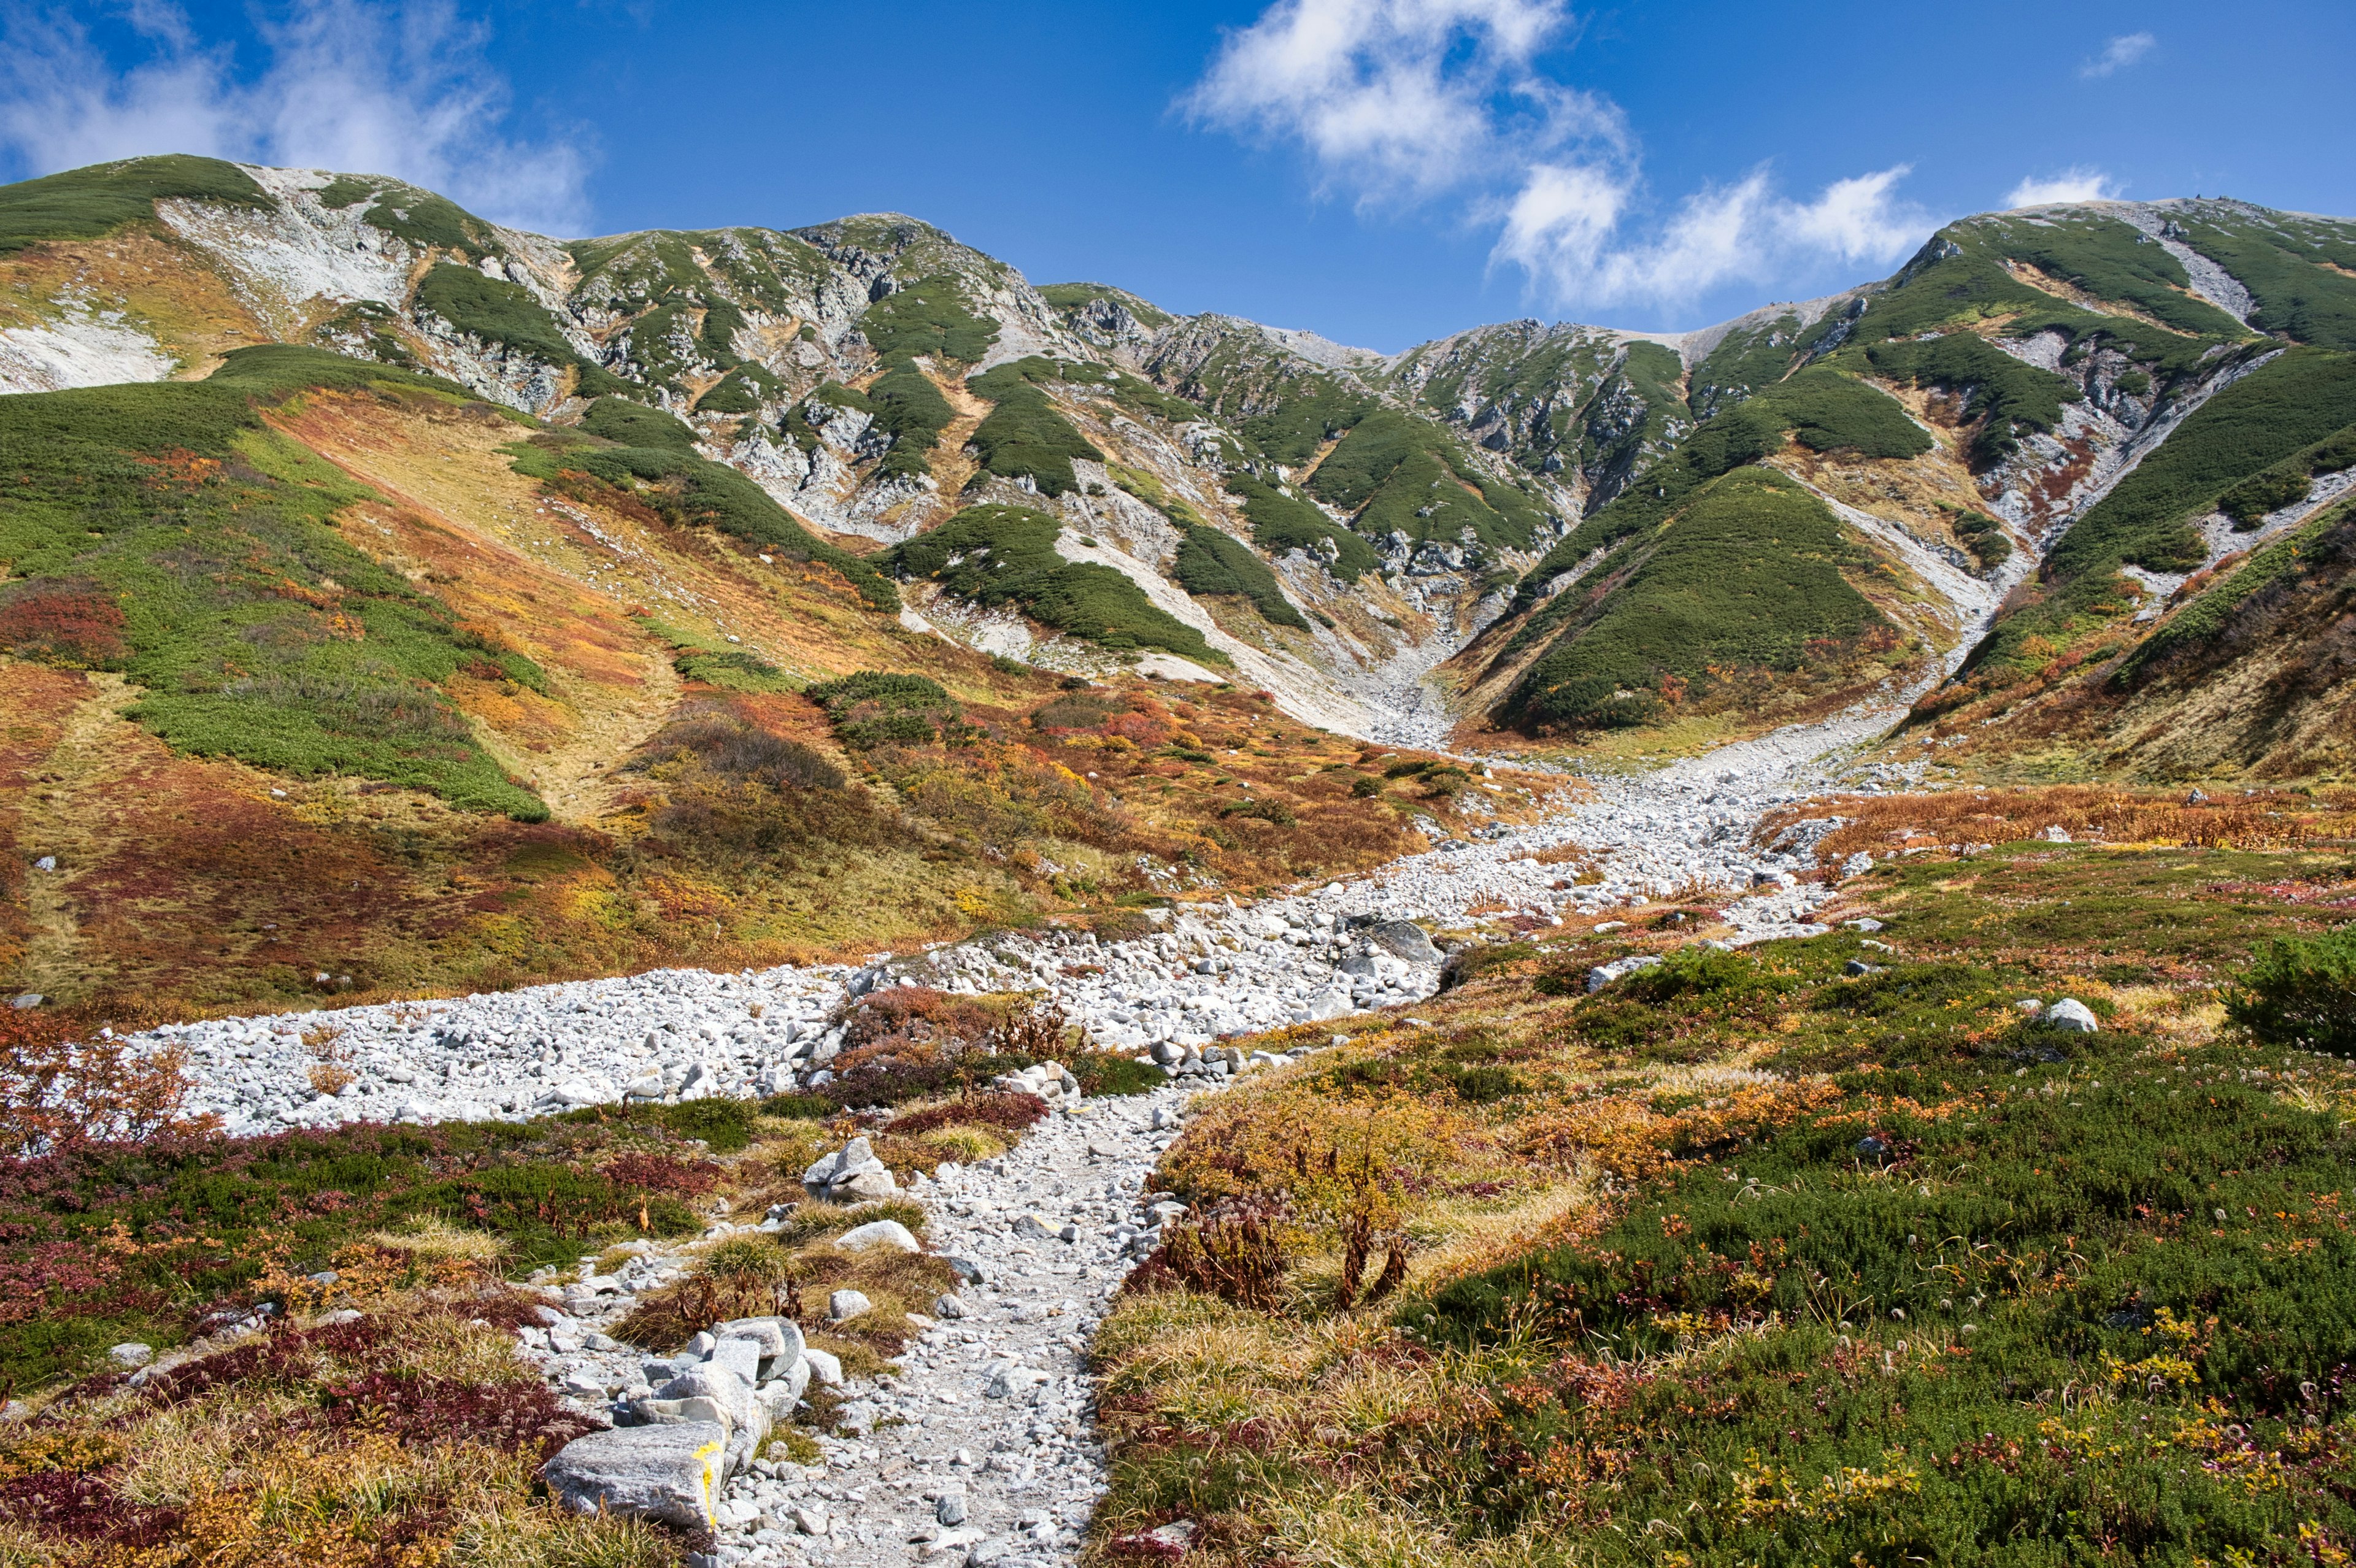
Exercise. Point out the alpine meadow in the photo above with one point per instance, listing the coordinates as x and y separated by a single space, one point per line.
769 898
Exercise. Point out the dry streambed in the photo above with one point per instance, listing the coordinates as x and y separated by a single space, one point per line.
976 1445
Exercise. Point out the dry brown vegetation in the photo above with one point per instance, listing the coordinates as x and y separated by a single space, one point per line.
1895 824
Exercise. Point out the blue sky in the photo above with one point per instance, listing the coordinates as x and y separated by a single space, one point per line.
1380 171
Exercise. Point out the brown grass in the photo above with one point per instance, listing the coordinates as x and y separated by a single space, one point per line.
1951 818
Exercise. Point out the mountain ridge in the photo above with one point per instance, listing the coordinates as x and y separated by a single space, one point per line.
877 378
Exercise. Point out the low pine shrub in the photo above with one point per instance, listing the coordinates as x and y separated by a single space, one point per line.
2300 991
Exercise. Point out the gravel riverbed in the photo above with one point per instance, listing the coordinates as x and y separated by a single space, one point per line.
980 1449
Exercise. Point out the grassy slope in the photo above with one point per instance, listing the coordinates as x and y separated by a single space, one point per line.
158 530
1006 554
1814 1265
1746 578
82 204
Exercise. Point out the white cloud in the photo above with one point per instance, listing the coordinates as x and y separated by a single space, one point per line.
2118 54
1563 229
397 89
1400 99
1403 100
2076 184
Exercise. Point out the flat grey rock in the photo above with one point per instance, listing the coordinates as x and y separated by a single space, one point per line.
669 1473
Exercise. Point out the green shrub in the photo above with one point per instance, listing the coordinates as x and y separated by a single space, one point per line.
2301 991
82 204
627 424
1006 554
726 1127
911 409
163 524
1363 788
506 314
1747 576
928 316
741 391
2009 395
1282 522
1827 412
1399 473
2288 481
1211 562
1109 1073
1024 435
875 708
732 668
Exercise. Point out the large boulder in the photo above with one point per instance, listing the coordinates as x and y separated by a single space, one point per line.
851 1173
780 1340
2072 1015
1405 941
879 1234
713 1393
672 1473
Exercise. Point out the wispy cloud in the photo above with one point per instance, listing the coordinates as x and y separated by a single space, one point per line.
2118 54
399 88
2079 184
1399 102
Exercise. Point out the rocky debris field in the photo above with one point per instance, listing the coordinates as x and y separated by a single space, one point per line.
1211 970
977 1448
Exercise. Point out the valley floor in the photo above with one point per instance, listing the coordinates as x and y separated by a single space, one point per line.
1050 1402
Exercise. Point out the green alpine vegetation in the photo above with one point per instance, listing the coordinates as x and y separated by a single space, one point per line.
1006 554
928 316
741 391
1282 522
1069 297
1397 473
1822 408
1024 435
2297 269
163 532
2212 628
1746 577
1212 562
912 410
654 463
2285 406
426 220
2008 397
503 313
2287 483
1744 361
82 204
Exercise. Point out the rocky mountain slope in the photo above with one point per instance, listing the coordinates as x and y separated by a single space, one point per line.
734 571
